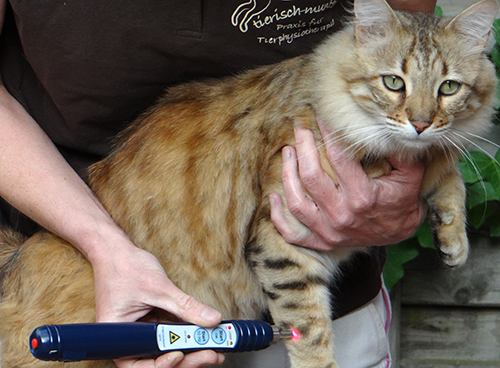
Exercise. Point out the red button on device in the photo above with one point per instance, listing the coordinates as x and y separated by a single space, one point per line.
34 343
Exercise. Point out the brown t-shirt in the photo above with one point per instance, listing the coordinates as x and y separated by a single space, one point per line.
85 69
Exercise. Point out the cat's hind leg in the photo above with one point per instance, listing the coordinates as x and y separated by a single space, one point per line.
295 282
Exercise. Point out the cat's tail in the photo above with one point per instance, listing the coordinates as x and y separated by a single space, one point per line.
10 246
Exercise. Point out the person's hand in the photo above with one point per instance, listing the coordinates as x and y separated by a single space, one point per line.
129 284
175 359
358 211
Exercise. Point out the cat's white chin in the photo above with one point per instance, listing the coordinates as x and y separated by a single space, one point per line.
409 148
415 147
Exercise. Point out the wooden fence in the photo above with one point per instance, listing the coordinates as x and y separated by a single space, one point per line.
449 318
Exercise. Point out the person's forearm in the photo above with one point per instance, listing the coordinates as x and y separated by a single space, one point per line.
37 180
424 6
129 282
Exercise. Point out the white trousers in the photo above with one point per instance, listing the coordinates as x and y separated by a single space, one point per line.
361 341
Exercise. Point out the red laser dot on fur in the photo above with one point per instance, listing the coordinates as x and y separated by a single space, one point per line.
295 335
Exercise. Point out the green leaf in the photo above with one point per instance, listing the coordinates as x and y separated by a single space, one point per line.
479 193
495 54
480 160
469 174
496 119
478 215
438 11
495 226
496 27
491 172
424 235
475 166
397 255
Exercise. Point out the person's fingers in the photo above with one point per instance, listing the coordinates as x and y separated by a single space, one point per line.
198 359
168 360
279 219
409 172
317 182
353 182
142 285
189 309
310 171
175 359
297 201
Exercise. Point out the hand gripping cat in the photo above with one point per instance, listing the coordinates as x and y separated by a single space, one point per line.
189 181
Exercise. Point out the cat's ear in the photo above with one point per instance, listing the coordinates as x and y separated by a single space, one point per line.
373 20
475 22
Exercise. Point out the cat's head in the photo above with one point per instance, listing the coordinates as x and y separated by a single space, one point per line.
414 80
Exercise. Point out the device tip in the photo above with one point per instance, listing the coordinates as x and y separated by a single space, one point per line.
292 334
286 334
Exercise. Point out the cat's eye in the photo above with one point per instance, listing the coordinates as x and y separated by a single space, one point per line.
394 83
449 88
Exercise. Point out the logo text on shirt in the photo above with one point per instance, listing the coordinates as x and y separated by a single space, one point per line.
255 13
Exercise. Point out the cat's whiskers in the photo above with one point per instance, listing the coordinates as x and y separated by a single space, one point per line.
460 147
336 137
471 142
470 159
477 137
361 144
446 149
466 154
374 131
345 133
343 90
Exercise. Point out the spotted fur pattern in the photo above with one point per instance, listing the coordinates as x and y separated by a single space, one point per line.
189 180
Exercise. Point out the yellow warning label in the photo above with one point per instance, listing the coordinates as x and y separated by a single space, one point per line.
173 337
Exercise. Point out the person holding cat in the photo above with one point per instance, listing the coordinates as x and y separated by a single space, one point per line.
55 108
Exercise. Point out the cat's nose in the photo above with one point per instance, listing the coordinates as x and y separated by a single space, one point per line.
420 126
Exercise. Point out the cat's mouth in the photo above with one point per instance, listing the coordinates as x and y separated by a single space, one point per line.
413 134
419 139
414 142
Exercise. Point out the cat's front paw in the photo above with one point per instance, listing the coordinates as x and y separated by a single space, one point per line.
454 254
450 237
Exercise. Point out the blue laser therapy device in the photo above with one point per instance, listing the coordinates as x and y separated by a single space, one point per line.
101 341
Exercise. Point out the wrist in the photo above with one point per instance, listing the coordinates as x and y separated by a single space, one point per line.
100 241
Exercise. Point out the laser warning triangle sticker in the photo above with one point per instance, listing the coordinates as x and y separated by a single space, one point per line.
173 337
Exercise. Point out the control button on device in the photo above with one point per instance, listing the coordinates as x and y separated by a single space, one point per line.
201 336
219 335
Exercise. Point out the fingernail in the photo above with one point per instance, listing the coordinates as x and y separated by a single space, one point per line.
286 153
271 200
220 358
210 315
175 358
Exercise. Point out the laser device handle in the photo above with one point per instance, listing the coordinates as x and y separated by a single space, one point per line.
102 341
